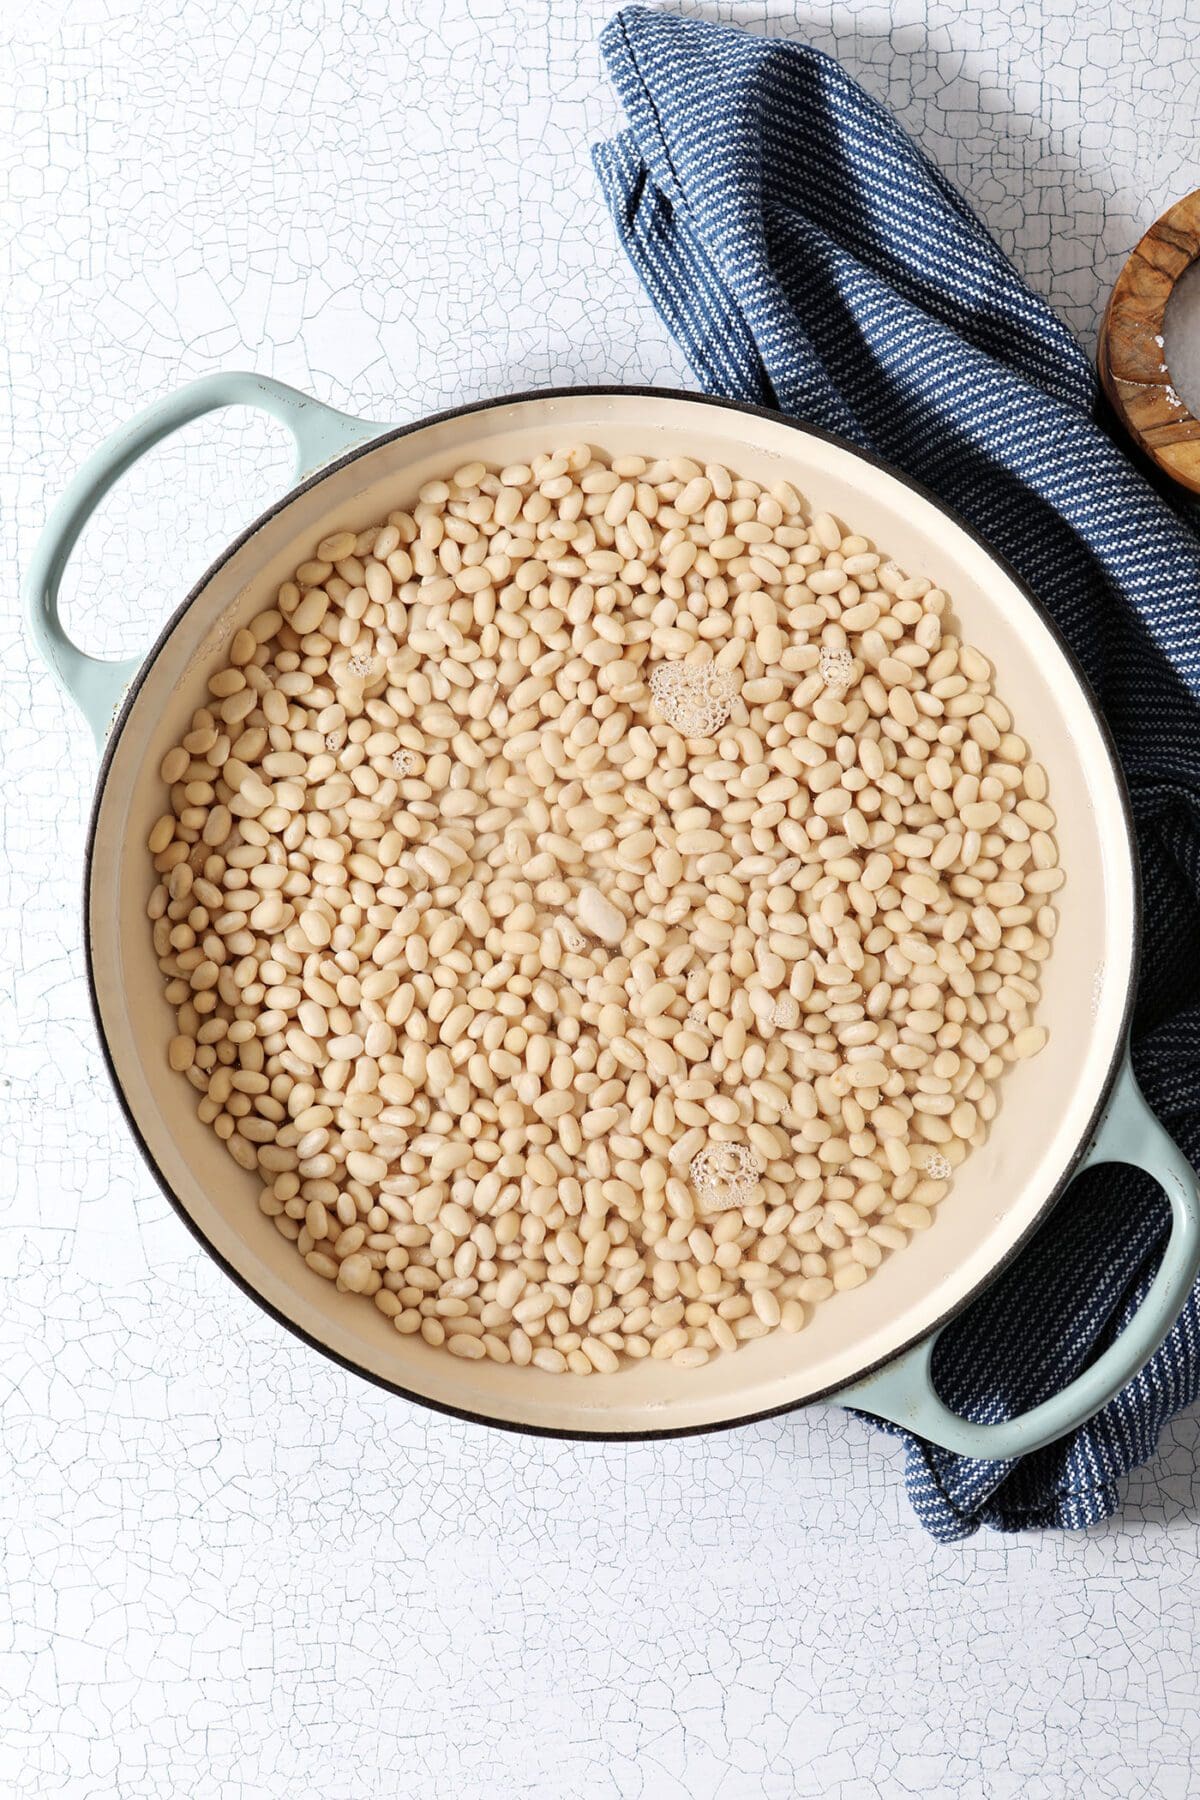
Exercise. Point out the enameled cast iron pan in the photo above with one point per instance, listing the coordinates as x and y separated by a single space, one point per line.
1076 1104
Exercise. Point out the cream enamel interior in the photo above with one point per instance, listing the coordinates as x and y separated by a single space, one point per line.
1046 1105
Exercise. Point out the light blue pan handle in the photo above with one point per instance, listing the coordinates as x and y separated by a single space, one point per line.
903 1390
98 686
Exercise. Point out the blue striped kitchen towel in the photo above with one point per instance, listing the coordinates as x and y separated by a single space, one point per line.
806 255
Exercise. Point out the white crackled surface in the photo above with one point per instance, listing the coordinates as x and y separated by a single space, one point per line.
230 1570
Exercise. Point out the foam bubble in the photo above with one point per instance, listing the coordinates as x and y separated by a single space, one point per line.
725 1176
785 1014
837 667
696 698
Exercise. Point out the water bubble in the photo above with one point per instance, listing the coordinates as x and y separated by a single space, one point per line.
725 1176
938 1168
785 1014
837 667
403 762
696 698
361 664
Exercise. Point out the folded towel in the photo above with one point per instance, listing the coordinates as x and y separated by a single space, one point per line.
807 256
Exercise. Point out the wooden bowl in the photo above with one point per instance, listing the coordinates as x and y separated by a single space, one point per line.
1130 355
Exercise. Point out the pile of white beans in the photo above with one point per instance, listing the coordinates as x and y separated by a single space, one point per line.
562 1036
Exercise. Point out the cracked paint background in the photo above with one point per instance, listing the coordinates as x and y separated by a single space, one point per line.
230 1570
